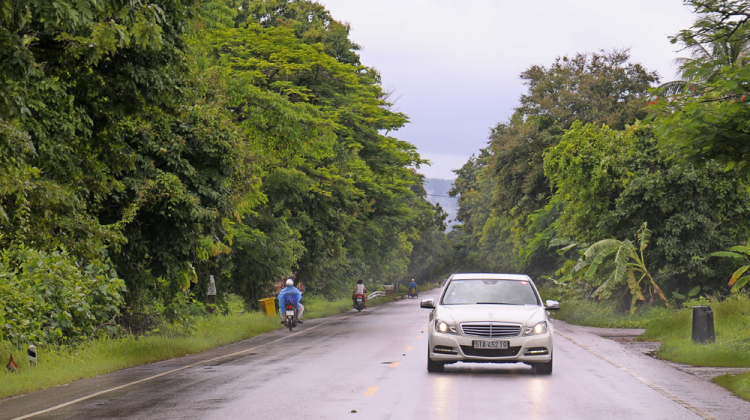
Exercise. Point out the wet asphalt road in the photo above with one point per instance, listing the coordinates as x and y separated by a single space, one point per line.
372 365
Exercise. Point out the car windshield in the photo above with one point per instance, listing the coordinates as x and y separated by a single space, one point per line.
491 292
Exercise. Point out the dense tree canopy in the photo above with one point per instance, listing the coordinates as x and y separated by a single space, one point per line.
608 182
145 146
574 166
706 120
501 190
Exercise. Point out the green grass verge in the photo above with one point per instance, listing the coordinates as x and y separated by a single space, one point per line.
64 364
673 328
737 384
603 315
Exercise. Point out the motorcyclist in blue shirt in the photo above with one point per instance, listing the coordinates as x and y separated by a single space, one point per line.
293 295
413 285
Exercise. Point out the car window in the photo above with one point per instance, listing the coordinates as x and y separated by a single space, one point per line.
507 292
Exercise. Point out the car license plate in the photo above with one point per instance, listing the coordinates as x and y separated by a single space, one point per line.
490 344
289 313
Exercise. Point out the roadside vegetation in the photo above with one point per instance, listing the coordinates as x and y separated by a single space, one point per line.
627 196
149 147
673 329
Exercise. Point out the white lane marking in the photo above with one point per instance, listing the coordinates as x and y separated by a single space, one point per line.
96 394
655 387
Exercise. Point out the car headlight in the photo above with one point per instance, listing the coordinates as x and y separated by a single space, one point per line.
444 327
538 329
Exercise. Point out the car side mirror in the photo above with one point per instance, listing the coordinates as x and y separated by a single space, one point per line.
427 303
552 305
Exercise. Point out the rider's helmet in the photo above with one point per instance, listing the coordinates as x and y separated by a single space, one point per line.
359 281
289 283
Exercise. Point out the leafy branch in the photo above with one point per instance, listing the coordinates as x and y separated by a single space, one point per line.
741 254
629 266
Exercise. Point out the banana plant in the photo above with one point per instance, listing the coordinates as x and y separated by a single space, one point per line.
741 254
629 266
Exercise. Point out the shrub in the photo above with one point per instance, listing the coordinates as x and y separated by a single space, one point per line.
52 298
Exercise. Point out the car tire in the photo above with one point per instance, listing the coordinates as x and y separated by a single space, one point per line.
433 366
543 368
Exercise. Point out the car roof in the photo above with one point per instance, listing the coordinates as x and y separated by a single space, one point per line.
489 276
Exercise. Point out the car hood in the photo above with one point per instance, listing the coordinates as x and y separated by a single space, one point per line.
520 314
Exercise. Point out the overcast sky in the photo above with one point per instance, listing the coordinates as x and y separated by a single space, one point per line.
454 64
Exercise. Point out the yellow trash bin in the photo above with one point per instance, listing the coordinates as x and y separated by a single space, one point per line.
268 305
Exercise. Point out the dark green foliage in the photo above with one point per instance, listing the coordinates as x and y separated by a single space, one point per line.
707 119
573 167
181 140
315 118
503 190
609 182
50 298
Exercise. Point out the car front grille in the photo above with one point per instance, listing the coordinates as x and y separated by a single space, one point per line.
471 351
490 329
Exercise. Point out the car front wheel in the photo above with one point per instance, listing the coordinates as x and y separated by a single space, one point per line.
543 368
433 366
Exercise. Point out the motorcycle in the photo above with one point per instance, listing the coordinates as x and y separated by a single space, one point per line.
413 293
359 302
290 316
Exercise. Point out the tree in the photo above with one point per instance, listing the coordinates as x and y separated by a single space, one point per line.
608 181
106 141
629 266
317 120
706 123
476 241
738 253
509 224
309 21
719 38
601 88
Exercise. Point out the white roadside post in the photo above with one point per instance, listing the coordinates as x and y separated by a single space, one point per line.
211 294
31 352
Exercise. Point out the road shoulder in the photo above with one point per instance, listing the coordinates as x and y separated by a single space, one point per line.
694 392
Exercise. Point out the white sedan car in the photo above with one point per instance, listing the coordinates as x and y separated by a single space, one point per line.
489 318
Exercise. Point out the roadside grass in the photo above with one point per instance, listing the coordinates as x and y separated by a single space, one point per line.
732 346
60 365
737 384
673 328
603 314
64 364
319 307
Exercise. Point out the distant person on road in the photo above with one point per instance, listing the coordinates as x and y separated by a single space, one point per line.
359 289
413 285
291 294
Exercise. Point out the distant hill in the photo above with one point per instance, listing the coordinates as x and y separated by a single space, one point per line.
437 192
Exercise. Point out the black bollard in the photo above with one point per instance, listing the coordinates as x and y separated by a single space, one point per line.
703 324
